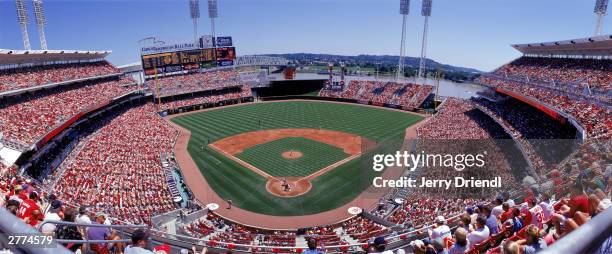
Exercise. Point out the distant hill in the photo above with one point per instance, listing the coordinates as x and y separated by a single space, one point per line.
385 62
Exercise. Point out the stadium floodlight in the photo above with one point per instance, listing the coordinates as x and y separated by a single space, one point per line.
426 12
601 7
22 17
404 10
41 22
404 7
194 9
213 13
426 8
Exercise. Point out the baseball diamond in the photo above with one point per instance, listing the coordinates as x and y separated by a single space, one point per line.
243 179
315 156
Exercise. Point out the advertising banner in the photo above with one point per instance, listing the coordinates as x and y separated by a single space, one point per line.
206 41
225 41
223 63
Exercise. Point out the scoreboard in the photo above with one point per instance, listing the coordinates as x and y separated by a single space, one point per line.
179 60
160 60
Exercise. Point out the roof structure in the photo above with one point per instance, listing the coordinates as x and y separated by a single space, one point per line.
18 57
599 46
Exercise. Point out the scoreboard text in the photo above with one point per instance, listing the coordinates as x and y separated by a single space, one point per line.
177 61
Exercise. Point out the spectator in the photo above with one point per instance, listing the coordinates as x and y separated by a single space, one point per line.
481 233
533 242
102 233
69 232
465 222
441 231
461 243
439 247
140 240
510 247
492 222
55 213
30 211
379 246
83 218
312 247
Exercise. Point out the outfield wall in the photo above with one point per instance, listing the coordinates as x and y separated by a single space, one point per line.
363 102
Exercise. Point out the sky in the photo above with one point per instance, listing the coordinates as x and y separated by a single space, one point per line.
467 33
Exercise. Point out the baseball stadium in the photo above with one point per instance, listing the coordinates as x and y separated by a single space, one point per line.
196 147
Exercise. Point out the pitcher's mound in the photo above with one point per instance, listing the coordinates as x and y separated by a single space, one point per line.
292 154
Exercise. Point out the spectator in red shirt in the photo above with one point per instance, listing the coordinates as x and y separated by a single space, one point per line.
578 202
508 211
30 211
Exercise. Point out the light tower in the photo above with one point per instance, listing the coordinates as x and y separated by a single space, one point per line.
404 10
194 9
601 6
41 22
426 12
212 14
22 17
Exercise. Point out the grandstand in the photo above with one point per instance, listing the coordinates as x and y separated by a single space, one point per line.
80 134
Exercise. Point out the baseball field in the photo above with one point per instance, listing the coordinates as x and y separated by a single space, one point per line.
318 149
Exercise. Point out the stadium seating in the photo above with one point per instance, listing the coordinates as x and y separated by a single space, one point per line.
108 171
26 77
27 119
194 82
244 92
217 229
597 73
407 95
596 119
520 118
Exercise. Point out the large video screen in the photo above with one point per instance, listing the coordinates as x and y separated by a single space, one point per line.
227 53
226 56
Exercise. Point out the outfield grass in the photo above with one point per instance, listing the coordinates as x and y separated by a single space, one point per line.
330 190
315 156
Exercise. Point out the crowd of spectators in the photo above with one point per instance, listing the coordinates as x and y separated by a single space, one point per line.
12 79
418 211
28 118
23 198
407 95
595 118
194 82
545 145
108 171
204 99
452 129
213 228
597 73
362 229
454 121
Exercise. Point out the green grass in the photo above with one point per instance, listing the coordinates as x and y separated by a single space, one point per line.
333 189
313 93
315 156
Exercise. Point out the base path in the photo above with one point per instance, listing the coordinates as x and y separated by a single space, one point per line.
351 144
205 194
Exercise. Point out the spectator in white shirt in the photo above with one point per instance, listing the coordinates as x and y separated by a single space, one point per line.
52 215
441 231
481 233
